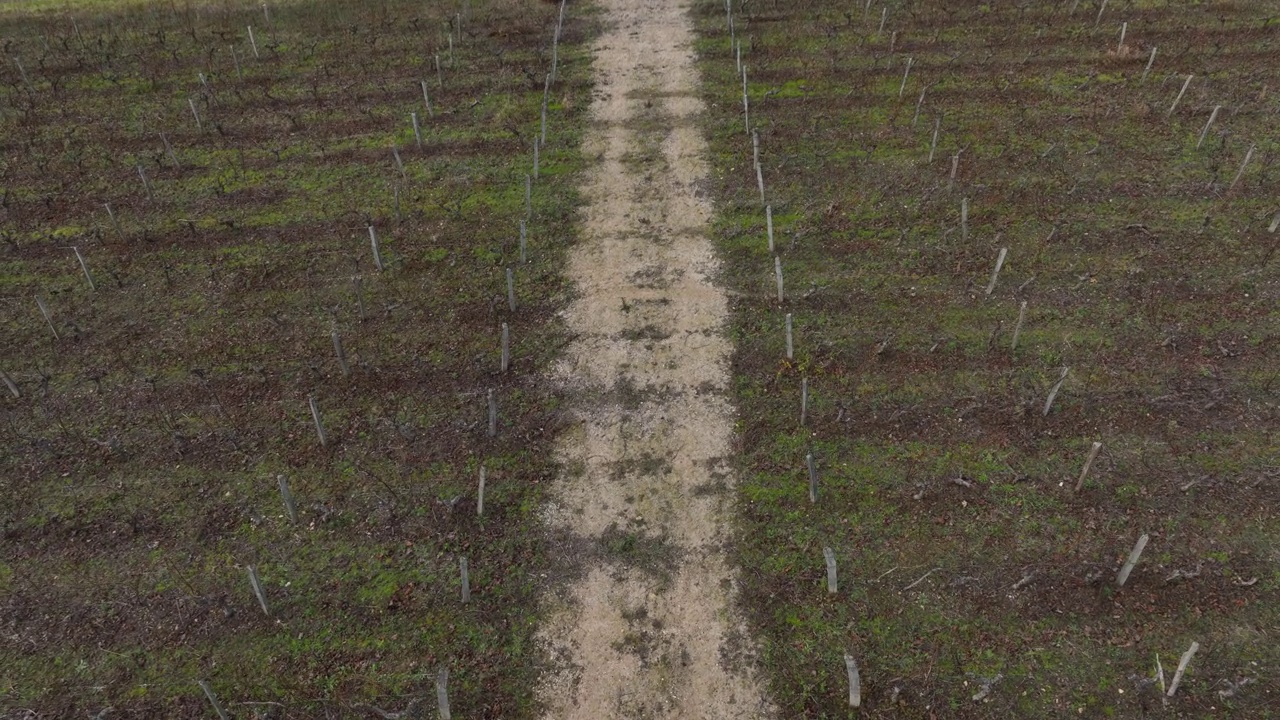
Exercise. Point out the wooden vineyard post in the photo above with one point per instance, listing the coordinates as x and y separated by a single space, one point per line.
755 150
377 252
555 41
26 80
505 362
1204 133
114 222
760 182
204 83
146 184
791 350
8 382
339 351
1182 667
1240 173
1017 329
919 104
168 150
1178 99
813 478
933 144
768 222
493 413
395 153
258 591
315 417
44 310
1134 555
1088 463
442 693
287 495
542 136
804 400
830 556
84 267
995 274
855 681
357 287
728 7
1053 393
213 700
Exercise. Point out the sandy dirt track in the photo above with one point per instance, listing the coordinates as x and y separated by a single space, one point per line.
647 628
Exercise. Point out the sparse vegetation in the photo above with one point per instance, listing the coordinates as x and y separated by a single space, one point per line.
974 581
189 254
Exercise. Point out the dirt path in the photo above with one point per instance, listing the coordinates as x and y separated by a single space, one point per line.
647 629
